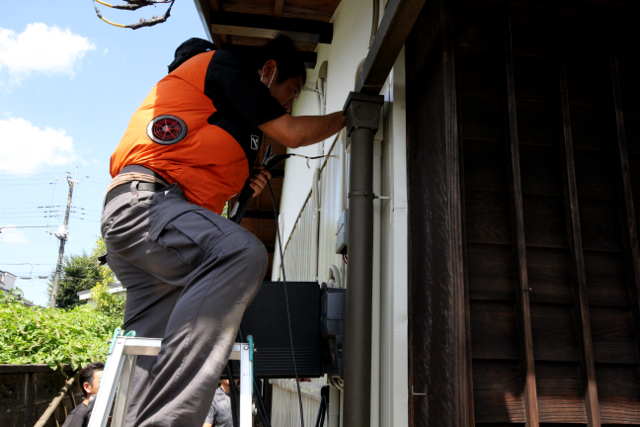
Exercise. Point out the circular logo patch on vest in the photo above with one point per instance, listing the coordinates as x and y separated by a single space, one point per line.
167 129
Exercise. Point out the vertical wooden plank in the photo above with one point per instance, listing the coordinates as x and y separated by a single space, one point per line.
30 415
440 392
575 239
453 153
531 396
630 214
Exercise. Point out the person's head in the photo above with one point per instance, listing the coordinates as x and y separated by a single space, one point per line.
188 49
226 386
282 70
89 378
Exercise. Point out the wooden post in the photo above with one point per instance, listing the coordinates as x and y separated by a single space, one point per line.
441 379
575 239
453 155
531 397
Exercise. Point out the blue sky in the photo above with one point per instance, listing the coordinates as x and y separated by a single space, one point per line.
68 85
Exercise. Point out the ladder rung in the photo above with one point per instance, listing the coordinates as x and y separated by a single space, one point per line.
141 346
236 350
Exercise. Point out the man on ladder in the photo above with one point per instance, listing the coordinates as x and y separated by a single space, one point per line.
190 273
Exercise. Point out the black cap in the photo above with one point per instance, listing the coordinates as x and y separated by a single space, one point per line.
189 49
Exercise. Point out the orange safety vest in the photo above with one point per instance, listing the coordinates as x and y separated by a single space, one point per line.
170 135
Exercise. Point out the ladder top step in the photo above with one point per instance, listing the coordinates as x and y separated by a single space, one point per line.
140 346
236 350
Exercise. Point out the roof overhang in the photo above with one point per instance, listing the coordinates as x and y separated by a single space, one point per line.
251 23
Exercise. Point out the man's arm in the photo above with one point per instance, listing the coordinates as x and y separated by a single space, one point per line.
299 131
211 415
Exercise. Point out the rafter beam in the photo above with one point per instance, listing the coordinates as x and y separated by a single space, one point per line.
278 7
309 58
592 403
532 412
265 26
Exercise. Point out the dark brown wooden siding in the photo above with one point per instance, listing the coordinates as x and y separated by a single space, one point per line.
524 151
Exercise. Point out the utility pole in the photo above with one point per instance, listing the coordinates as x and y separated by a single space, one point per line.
62 234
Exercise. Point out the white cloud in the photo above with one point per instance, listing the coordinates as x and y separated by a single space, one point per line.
41 48
26 148
13 236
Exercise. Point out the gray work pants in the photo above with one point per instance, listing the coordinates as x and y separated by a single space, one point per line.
189 274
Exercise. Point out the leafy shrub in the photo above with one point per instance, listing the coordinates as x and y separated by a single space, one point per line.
106 303
54 336
79 273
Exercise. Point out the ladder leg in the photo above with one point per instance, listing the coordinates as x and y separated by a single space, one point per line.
108 385
246 383
119 410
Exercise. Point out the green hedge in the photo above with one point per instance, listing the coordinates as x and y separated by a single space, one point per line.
53 336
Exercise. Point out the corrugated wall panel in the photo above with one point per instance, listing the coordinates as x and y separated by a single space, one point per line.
285 407
310 252
301 251
332 203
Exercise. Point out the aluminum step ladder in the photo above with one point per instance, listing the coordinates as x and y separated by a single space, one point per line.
118 371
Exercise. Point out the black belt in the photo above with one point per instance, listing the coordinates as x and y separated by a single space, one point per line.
126 188
141 186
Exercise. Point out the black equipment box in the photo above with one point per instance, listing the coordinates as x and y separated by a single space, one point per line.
266 320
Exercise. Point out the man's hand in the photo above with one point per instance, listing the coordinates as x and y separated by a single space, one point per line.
259 181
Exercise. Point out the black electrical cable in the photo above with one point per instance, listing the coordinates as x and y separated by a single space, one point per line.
309 157
286 301
266 422
321 412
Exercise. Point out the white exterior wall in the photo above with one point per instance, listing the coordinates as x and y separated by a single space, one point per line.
393 310
351 33
7 280
313 198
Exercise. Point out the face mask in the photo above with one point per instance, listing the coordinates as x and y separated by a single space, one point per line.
273 76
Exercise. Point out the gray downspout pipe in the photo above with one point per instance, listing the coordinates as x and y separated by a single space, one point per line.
362 113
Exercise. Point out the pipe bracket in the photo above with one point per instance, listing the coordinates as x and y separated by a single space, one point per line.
361 194
362 111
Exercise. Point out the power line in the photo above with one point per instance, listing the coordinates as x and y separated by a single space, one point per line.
33 277
7 227
23 263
